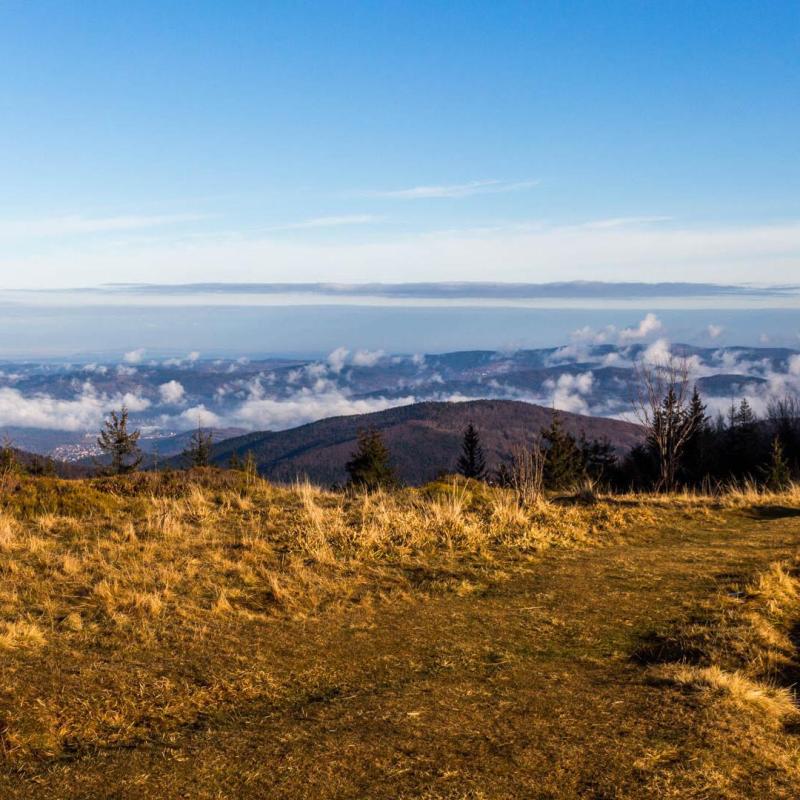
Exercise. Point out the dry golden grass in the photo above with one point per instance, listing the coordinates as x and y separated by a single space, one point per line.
776 702
145 595
738 657
131 563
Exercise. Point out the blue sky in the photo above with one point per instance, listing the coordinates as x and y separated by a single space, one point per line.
255 141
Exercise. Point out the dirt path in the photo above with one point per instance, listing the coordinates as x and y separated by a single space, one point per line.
526 689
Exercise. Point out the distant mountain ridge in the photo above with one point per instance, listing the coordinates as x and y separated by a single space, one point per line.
424 439
456 289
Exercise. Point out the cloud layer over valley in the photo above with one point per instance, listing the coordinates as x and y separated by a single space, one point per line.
592 374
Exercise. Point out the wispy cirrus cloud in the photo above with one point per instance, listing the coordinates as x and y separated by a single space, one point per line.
621 222
453 190
75 224
329 222
627 253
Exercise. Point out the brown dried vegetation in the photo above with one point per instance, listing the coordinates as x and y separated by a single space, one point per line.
136 610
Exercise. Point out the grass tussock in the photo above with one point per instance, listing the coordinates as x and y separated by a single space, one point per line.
776 703
739 660
743 640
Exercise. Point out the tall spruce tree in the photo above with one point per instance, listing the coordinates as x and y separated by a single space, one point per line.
471 462
744 451
598 457
120 444
563 465
695 460
370 466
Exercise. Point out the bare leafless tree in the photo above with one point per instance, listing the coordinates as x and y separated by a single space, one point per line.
783 414
662 406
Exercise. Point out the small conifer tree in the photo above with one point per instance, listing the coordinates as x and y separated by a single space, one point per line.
370 466
471 462
9 464
41 466
8 458
778 473
198 452
120 444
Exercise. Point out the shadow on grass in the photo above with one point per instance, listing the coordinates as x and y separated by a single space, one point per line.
774 512
657 648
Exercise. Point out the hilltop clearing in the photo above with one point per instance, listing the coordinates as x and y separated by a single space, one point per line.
199 635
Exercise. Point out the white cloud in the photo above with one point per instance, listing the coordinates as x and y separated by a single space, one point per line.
132 401
171 392
134 356
199 416
98 369
620 222
583 339
74 224
330 222
190 358
551 252
794 365
307 406
569 391
367 358
454 190
85 411
658 352
650 324
714 331
338 358
612 359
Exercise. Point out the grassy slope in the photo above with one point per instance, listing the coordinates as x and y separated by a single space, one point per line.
251 641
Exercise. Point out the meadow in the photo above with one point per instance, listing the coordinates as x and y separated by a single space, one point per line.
208 634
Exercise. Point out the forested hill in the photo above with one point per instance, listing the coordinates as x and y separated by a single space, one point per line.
424 439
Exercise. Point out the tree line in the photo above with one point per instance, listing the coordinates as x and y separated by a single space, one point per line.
684 447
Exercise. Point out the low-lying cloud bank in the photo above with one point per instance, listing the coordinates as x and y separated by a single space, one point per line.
591 375
85 411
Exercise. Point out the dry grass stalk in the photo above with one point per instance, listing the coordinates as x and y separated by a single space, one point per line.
527 473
